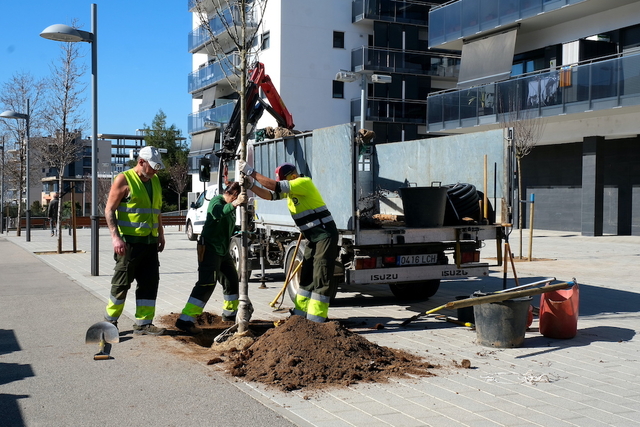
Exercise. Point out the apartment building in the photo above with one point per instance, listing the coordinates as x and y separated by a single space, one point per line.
304 45
575 65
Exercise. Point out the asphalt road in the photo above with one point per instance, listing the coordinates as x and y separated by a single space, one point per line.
49 378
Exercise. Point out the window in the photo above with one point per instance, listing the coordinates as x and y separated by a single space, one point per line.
265 41
338 89
338 39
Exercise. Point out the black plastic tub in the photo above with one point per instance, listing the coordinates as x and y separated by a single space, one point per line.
424 206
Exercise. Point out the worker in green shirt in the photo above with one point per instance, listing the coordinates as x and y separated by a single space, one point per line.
214 261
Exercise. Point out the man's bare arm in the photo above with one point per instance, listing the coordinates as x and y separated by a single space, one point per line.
119 190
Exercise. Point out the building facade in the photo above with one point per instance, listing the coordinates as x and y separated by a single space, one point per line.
573 64
304 45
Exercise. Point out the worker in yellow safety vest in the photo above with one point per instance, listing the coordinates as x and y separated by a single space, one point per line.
133 217
316 224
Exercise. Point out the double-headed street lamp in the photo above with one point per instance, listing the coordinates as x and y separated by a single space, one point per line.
9 114
64 33
350 76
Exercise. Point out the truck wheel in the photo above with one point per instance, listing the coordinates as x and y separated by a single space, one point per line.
190 235
235 246
294 282
415 291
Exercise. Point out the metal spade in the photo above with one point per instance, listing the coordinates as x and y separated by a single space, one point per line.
105 334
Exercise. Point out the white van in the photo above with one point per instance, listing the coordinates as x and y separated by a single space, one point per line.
198 212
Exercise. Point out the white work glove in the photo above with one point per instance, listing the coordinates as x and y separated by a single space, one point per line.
240 200
245 168
247 183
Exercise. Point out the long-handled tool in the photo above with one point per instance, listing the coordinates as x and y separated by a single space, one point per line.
284 287
290 274
504 291
105 334
497 297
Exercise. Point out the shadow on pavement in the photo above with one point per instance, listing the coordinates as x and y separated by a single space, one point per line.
10 372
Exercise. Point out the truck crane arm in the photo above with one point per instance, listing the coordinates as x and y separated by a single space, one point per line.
254 106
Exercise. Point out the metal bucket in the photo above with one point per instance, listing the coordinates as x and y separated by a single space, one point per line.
502 324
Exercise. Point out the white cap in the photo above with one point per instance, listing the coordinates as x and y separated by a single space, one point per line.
152 155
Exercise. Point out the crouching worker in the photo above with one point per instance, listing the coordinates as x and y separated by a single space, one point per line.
316 224
214 261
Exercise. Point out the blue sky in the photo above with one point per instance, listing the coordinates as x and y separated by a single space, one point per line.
143 61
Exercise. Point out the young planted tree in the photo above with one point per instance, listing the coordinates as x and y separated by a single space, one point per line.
232 27
64 118
22 87
179 176
526 129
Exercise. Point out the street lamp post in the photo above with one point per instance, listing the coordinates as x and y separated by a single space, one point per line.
9 114
350 77
64 33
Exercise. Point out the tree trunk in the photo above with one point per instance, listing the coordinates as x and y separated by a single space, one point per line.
521 205
244 306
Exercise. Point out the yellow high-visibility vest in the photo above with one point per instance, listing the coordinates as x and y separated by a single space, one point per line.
138 215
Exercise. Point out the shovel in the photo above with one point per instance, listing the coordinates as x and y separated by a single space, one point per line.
226 334
508 295
105 334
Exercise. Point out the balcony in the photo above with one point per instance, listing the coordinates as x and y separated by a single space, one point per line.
596 85
390 11
199 37
209 5
212 74
390 110
218 114
466 18
398 61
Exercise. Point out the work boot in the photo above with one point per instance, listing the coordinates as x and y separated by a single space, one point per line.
231 318
188 327
148 329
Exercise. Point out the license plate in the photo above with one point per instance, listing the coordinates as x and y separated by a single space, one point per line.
417 259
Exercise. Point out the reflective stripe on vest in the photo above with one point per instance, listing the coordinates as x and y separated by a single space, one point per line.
138 216
305 203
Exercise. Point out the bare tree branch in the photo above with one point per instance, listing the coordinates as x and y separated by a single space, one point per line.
527 129
64 118
15 93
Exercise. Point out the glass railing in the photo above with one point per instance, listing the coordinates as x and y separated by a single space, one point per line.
605 84
200 36
390 110
196 122
211 74
464 18
390 11
397 61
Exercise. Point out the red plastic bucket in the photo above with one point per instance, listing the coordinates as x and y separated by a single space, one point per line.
559 313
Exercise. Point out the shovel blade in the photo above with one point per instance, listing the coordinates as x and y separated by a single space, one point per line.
102 331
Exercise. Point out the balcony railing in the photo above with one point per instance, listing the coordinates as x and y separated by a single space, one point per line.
390 11
597 85
200 36
464 18
211 74
219 114
390 110
397 61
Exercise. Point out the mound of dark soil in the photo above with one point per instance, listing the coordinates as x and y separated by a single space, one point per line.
303 354
297 354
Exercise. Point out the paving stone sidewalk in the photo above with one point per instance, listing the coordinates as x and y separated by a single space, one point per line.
590 380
